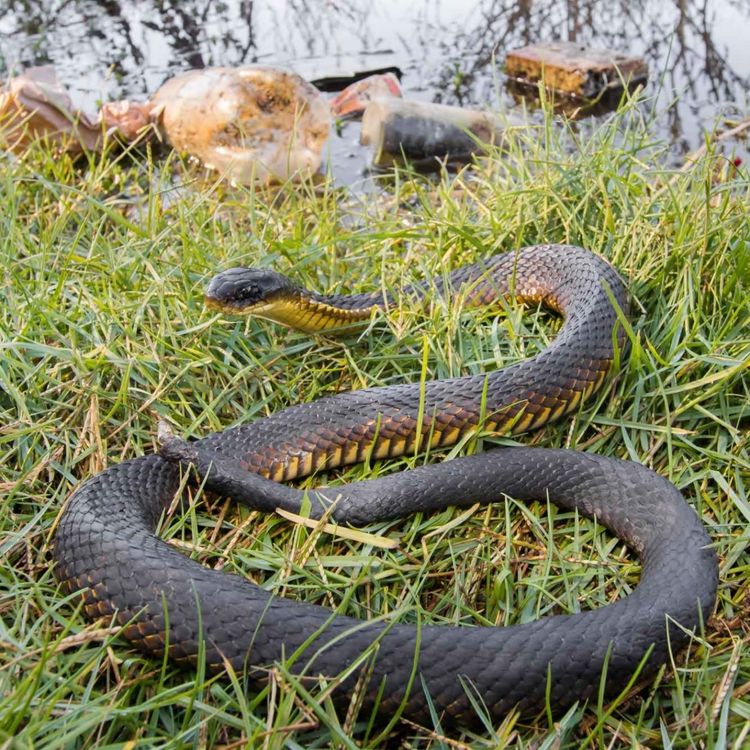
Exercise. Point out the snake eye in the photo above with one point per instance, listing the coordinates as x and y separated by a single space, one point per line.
247 293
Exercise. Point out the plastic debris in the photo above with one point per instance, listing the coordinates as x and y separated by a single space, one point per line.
353 100
34 105
341 80
127 120
252 124
425 134
574 68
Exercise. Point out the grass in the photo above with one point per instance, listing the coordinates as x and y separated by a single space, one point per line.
103 331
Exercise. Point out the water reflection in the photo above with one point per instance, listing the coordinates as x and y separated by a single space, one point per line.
694 49
112 49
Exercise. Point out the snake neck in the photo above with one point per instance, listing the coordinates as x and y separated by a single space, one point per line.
311 312
390 421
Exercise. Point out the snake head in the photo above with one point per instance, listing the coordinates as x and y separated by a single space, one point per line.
247 290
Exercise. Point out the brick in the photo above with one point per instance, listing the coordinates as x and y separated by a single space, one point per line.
574 68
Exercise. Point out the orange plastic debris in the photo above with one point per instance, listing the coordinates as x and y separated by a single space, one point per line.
353 100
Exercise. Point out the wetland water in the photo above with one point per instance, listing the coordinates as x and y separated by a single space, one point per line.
449 50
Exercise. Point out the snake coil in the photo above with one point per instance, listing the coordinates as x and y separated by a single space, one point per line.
106 547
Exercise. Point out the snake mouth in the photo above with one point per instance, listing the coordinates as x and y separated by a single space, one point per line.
230 307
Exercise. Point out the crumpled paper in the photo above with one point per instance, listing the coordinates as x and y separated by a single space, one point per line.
34 105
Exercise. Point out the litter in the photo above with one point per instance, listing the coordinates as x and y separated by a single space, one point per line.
353 100
251 124
425 134
574 68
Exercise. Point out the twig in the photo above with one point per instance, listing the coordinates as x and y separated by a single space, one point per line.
691 158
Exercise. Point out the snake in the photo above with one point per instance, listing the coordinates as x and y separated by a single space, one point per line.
107 551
